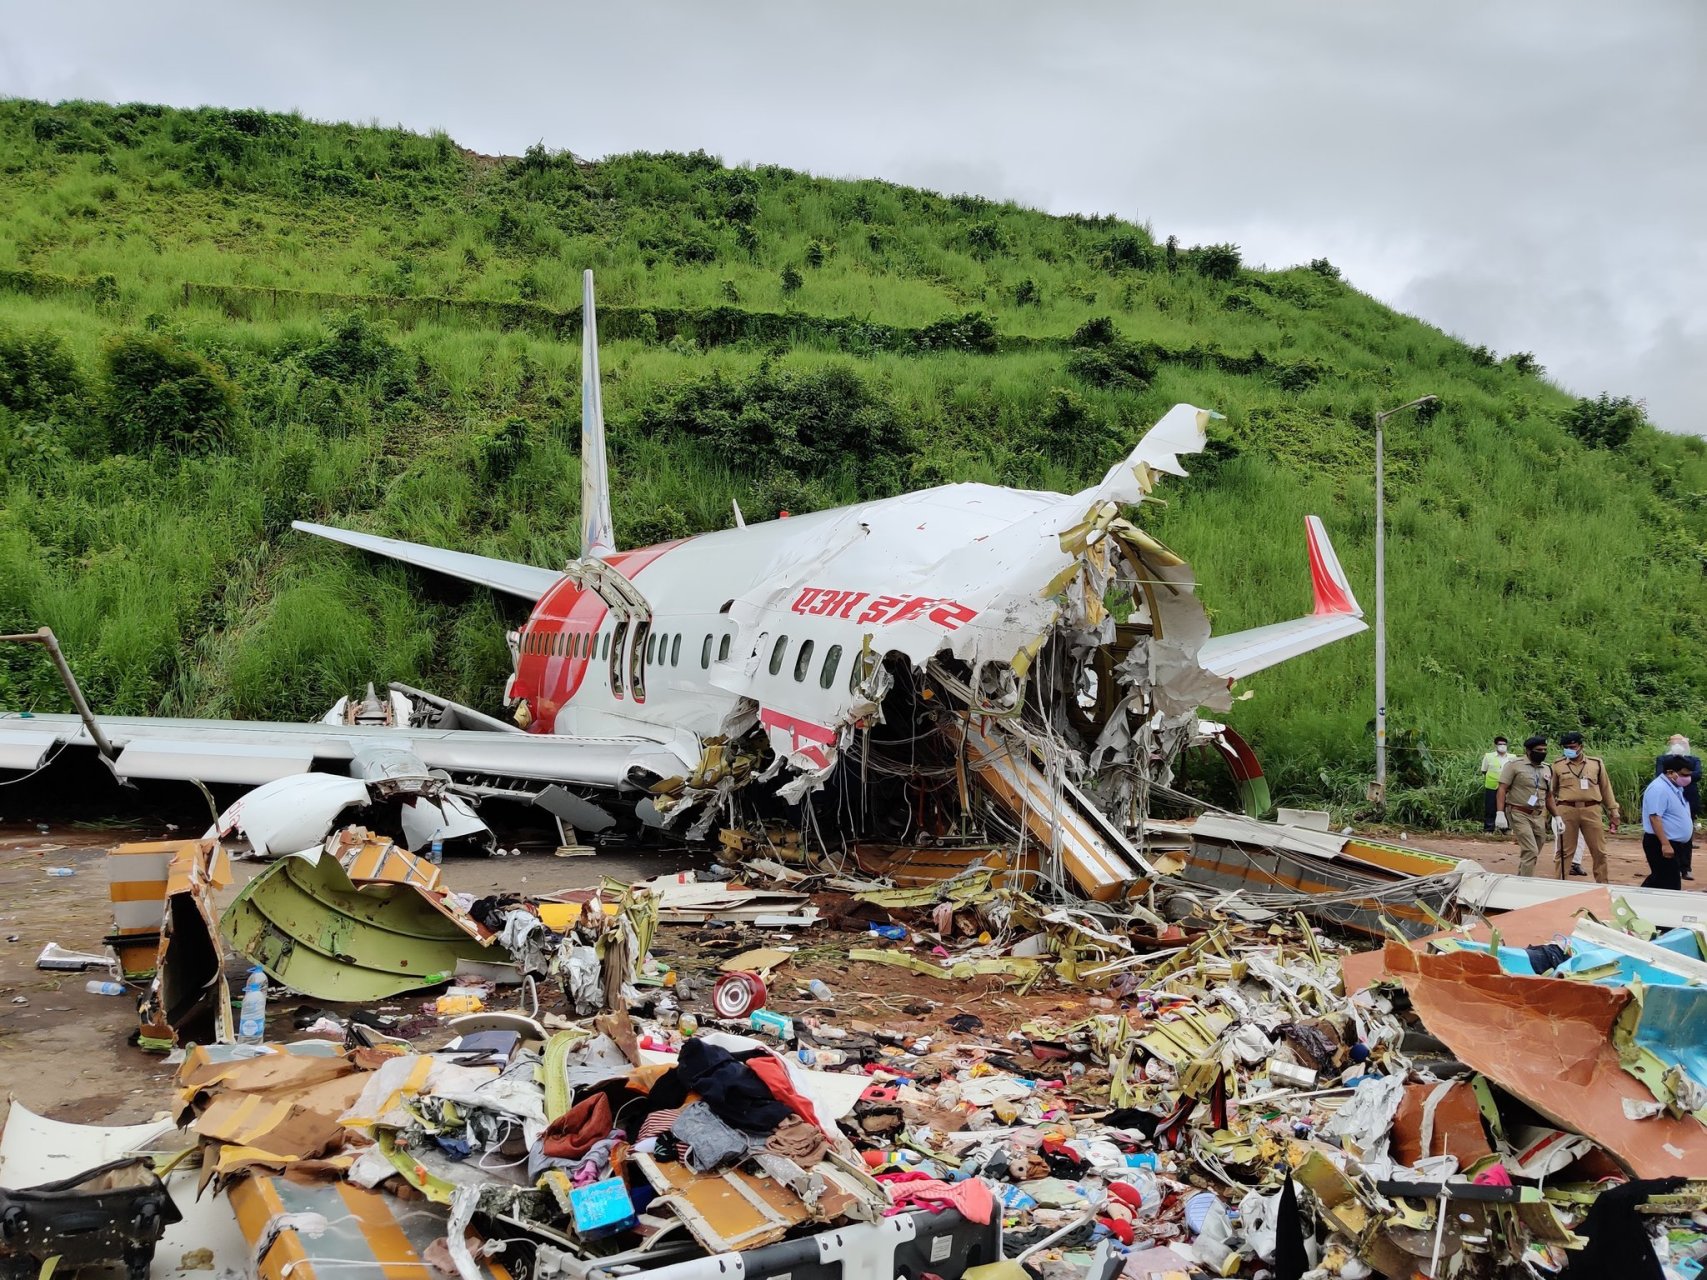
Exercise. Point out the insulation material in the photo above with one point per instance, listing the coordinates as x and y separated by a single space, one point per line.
1548 1042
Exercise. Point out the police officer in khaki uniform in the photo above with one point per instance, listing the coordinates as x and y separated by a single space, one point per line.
1582 794
1525 800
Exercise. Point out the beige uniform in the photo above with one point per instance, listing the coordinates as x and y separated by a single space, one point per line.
1582 790
1526 787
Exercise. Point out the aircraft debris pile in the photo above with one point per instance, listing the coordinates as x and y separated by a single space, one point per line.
952 1078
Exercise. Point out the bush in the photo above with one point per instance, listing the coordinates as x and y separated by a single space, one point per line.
1104 359
1605 422
162 394
790 427
500 451
985 240
973 331
36 373
1217 261
1525 363
791 279
815 254
1127 251
1026 294
355 351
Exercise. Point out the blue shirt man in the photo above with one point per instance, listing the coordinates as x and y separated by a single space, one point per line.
1667 827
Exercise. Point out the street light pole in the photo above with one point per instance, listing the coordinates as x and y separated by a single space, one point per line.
1378 792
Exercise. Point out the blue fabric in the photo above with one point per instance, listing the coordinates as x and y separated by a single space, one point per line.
1667 802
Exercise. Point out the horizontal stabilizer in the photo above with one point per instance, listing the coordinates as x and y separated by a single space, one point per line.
522 580
1337 615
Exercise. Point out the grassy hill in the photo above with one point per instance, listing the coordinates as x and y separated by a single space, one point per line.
213 322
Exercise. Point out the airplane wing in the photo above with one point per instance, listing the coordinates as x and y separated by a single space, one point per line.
522 580
1337 615
253 752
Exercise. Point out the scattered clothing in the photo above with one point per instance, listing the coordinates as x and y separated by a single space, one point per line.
730 1088
798 1141
707 1142
909 1190
579 1129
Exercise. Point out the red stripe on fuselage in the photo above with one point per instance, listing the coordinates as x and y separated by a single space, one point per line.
547 681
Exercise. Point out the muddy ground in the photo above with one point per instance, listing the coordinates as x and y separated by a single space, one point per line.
65 1052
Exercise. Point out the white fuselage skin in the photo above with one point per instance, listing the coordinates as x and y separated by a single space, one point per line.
780 611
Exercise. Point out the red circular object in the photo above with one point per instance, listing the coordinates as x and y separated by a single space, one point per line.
738 994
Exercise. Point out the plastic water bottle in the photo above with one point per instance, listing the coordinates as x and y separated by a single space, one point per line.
96 987
437 856
820 989
252 1022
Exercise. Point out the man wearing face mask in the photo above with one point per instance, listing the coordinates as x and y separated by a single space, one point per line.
1492 762
1667 827
1582 794
1679 746
1525 800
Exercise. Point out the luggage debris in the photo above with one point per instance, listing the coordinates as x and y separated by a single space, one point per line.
946 1077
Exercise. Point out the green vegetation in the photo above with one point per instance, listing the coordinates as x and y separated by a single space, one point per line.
214 322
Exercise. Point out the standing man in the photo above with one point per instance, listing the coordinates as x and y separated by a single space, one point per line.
1667 828
1492 762
1679 746
1582 793
1525 799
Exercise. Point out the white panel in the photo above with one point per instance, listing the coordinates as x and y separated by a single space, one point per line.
25 750
214 761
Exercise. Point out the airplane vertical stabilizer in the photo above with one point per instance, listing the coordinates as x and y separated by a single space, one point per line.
598 535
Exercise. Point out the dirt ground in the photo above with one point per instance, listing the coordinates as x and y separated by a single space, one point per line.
65 1052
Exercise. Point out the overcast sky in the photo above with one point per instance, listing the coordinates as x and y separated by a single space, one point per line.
1529 174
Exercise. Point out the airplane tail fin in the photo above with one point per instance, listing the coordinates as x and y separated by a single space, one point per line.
598 534
1336 615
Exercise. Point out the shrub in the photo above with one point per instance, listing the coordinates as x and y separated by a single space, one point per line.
500 451
1605 422
1026 294
1525 363
791 279
790 426
36 372
355 351
162 394
729 291
1217 261
1104 359
1127 251
973 331
815 254
1324 268
985 240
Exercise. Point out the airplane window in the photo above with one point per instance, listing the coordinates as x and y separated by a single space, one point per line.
705 653
861 667
651 647
676 650
803 663
723 649
832 659
777 653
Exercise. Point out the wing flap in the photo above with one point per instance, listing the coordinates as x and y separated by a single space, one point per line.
253 751
524 580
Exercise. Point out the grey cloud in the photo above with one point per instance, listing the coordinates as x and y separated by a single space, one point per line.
1527 174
